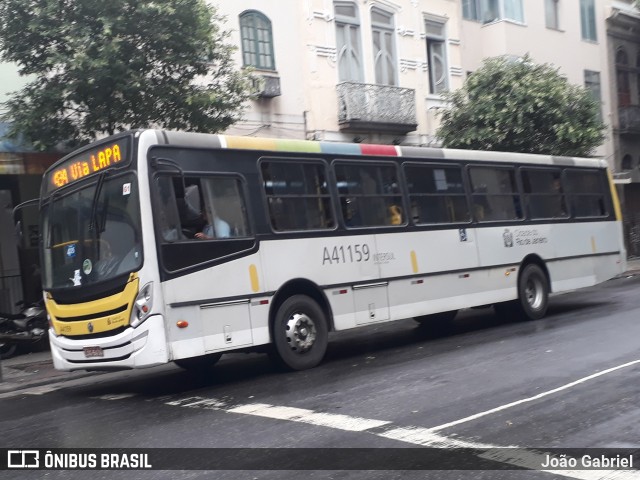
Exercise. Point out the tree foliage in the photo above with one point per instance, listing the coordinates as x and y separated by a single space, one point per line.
519 106
99 67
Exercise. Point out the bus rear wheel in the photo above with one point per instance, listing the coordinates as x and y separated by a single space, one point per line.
300 333
201 363
533 295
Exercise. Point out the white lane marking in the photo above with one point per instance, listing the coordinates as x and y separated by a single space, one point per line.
40 390
331 420
115 396
531 399
518 457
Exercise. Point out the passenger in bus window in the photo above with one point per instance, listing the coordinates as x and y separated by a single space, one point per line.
217 228
395 215
350 212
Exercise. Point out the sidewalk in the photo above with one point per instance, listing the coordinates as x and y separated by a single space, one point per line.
32 370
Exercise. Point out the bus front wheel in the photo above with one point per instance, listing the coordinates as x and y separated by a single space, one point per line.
300 333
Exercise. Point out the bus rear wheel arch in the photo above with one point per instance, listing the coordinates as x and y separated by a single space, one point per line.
300 333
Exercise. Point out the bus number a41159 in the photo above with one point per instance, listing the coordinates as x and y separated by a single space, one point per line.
349 254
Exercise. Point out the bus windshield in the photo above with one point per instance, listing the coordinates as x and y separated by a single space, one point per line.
93 233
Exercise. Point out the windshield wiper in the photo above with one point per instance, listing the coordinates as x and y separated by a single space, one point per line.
93 220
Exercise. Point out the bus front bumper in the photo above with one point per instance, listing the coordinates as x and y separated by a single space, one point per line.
140 347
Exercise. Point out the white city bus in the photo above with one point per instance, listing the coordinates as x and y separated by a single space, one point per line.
162 246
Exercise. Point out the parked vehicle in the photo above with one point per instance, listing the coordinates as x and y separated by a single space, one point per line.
27 328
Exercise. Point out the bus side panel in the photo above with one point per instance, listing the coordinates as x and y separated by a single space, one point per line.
334 262
223 306
425 259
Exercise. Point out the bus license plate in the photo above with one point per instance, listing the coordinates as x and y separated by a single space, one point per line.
92 352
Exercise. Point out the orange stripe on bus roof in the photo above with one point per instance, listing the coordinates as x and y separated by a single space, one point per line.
274 144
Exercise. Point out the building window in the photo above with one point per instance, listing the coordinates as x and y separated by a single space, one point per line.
348 42
384 49
552 14
487 11
622 78
592 83
626 162
257 41
437 56
588 20
513 10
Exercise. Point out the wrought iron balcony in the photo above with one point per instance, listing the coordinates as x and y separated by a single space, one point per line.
379 108
629 119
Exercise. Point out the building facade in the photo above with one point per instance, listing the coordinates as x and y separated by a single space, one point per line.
623 44
349 70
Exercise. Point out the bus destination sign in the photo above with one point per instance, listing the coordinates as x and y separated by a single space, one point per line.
88 162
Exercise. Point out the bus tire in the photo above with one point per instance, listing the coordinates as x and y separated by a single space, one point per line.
300 333
533 296
203 362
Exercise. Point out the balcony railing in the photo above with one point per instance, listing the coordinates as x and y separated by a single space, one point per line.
379 108
629 119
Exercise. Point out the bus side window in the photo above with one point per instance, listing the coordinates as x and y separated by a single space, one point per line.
297 194
495 190
437 194
168 217
224 207
369 194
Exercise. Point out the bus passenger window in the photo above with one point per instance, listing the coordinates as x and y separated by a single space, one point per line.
437 194
369 194
586 190
495 194
298 196
544 194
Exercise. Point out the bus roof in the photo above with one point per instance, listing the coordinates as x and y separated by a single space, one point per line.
204 140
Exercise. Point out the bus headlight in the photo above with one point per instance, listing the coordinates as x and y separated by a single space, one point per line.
142 306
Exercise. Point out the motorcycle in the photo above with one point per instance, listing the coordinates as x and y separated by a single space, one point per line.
29 327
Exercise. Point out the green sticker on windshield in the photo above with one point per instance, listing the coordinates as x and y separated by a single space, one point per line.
87 266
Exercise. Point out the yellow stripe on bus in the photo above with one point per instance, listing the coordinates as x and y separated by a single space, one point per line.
253 276
414 261
614 197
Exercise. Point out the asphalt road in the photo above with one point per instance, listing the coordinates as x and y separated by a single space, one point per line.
570 380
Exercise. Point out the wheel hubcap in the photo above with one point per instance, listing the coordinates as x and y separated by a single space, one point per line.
534 293
301 332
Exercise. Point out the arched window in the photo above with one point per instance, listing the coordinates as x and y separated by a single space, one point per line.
626 162
257 40
384 46
349 51
622 78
